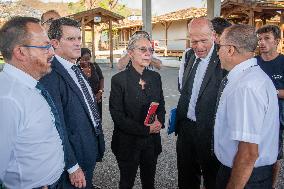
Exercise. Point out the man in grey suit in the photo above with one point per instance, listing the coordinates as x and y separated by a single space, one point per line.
76 104
196 109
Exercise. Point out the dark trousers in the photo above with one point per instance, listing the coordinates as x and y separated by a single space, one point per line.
195 157
147 161
261 178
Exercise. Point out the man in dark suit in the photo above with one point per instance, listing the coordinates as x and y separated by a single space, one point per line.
196 109
76 104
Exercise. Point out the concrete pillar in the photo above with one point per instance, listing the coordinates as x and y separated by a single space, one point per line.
213 8
147 16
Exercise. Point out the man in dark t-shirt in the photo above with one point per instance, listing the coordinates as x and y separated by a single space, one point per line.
272 63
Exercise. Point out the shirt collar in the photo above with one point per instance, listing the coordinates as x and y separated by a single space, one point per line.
241 68
207 58
65 63
20 75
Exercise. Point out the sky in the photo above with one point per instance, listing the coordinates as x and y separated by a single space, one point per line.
164 6
158 6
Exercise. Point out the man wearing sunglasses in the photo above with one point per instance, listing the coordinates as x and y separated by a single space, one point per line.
246 127
31 137
76 103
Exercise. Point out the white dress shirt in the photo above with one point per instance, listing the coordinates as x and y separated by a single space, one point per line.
67 65
31 149
247 112
200 73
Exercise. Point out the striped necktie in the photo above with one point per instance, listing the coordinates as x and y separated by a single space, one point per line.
90 101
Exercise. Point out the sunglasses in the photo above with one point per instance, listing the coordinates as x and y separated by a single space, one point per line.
145 49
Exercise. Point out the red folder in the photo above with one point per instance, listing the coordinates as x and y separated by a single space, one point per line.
150 118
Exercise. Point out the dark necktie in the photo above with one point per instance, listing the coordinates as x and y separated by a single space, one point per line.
192 76
54 111
220 91
90 101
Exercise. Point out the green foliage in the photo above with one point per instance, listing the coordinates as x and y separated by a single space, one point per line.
76 7
119 8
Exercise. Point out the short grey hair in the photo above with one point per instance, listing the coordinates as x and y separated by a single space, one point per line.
243 37
136 37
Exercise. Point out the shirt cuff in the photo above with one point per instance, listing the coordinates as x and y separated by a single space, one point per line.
245 137
73 169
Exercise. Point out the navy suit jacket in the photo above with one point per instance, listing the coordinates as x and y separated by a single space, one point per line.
82 145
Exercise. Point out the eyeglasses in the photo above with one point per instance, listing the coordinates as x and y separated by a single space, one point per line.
145 49
48 21
46 47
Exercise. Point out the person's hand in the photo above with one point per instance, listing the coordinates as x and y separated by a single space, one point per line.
156 126
99 96
77 178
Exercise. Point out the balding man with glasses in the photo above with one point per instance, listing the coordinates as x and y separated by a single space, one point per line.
31 133
48 17
246 128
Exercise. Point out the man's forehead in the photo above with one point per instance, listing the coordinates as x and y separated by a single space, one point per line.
68 30
51 15
265 34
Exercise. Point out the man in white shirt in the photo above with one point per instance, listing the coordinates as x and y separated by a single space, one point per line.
247 120
76 104
31 146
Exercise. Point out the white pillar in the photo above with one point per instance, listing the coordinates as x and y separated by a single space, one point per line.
147 16
213 8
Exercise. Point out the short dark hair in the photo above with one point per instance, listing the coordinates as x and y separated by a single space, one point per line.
48 12
55 29
85 51
14 32
275 30
242 36
219 24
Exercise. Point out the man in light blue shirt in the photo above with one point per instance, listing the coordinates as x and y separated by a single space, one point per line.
31 147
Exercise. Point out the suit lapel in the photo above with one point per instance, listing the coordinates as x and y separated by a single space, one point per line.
210 70
63 72
187 70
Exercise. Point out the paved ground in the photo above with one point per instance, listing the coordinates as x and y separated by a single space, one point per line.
106 174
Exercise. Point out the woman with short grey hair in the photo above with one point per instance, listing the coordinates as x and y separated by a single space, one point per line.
136 143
